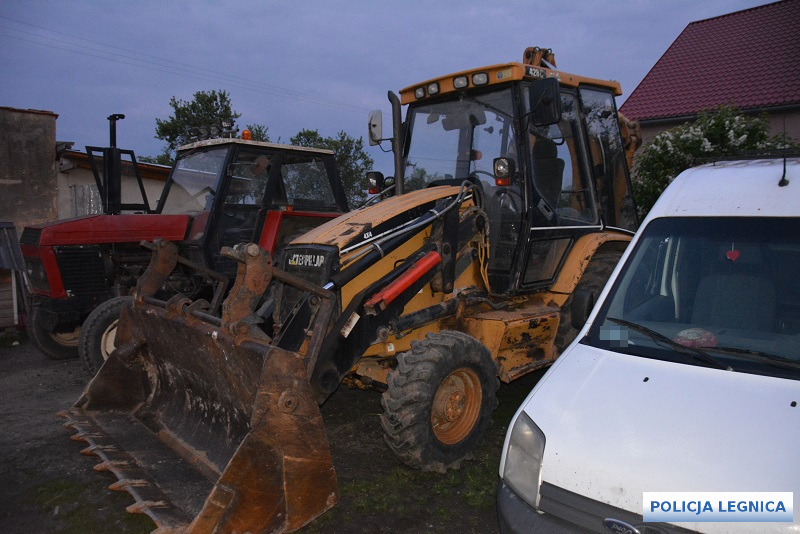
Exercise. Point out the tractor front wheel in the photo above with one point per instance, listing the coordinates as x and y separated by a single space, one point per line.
439 401
55 345
98 334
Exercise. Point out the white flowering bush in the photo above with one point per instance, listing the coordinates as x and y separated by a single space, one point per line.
723 131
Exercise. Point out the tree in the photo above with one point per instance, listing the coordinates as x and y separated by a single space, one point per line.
719 132
351 159
419 178
165 158
207 108
258 132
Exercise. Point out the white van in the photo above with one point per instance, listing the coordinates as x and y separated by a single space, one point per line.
686 376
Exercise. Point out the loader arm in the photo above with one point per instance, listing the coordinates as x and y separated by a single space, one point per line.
379 305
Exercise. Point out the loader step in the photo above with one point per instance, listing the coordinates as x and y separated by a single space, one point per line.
166 487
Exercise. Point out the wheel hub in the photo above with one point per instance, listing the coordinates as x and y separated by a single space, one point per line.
108 341
456 406
67 339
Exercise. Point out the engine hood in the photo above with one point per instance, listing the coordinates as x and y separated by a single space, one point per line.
616 426
364 225
96 229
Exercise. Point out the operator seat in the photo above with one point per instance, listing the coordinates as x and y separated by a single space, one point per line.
548 170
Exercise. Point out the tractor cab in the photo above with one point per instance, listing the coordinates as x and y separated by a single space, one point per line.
234 187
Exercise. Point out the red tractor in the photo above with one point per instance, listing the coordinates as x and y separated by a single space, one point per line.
220 192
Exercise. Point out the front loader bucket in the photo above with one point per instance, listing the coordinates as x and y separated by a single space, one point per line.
207 430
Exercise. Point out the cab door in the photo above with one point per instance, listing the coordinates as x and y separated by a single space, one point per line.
240 208
562 201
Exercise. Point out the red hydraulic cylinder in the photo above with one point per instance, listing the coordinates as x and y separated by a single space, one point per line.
384 297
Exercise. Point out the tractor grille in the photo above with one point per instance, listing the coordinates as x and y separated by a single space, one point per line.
82 270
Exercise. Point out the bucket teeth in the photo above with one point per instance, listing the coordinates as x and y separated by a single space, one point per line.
92 450
143 506
108 465
85 436
122 485
73 423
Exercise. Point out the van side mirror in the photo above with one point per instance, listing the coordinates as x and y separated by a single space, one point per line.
375 127
582 304
545 102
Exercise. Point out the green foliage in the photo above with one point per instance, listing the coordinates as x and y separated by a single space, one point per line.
419 178
351 159
165 158
720 132
258 132
205 109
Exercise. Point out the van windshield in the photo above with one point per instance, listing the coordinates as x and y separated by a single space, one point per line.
715 291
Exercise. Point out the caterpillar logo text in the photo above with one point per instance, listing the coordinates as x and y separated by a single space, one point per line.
306 260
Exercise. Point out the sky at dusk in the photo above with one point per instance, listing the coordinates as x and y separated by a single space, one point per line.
313 64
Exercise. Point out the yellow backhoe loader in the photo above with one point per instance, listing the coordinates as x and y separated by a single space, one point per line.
509 207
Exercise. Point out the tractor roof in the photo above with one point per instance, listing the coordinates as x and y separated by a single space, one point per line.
237 141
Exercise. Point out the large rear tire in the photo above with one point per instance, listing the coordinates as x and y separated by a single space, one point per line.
439 401
56 346
594 279
98 334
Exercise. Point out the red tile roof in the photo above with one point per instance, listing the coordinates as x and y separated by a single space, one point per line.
750 59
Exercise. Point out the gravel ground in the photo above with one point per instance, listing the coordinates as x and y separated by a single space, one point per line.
49 487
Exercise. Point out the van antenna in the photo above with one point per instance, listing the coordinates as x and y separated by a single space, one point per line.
784 182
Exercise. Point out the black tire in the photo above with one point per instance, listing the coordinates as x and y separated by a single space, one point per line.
56 346
437 432
594 279
98 332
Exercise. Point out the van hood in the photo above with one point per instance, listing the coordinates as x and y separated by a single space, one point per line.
616 426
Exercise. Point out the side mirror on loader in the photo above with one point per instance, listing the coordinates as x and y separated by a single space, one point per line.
375 127
545 101
582 304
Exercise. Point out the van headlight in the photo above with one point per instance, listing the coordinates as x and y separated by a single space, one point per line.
523 468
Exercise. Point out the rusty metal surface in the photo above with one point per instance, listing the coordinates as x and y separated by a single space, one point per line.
521 339
282 475
252 279
234 424
162 262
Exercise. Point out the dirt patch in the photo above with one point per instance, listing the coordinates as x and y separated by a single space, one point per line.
49 487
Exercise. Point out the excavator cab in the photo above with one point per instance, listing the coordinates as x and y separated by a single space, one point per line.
548 158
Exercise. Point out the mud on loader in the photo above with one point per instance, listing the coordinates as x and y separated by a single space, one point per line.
480 267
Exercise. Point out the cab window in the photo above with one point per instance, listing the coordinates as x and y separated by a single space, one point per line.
563 192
